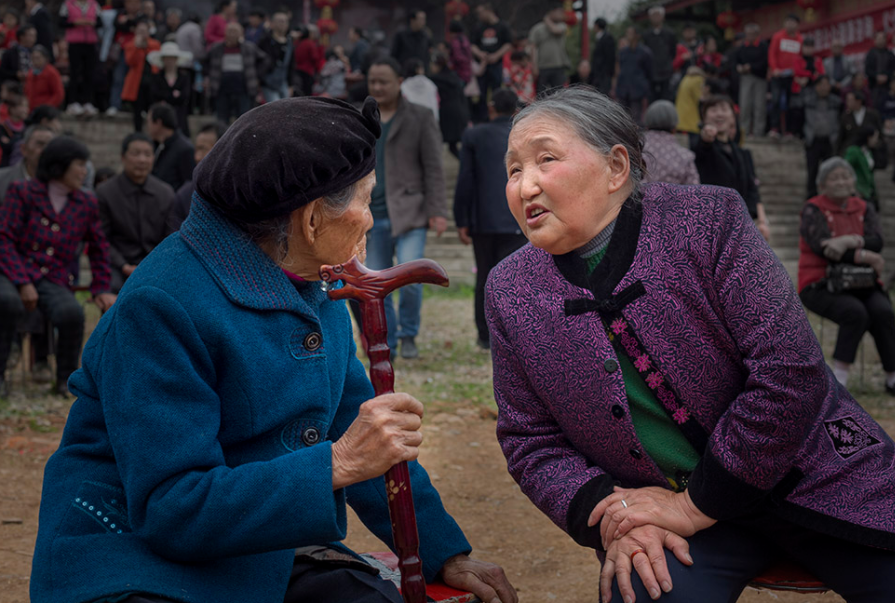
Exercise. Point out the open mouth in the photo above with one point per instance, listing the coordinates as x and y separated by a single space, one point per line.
534 213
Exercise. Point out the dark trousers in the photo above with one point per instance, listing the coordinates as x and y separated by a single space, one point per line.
321 583
634 107
118 279
489 81
729 555
231 104
661 90
781 91
856 313
816 153
59 305
548 79
83 67
305 84
489 250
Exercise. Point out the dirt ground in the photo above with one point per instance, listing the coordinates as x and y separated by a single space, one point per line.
460 452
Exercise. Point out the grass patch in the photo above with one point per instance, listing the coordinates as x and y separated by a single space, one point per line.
455 291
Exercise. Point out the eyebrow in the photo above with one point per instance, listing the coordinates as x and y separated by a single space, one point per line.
534 142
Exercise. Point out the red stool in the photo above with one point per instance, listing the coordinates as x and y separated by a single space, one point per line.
787 576
437 592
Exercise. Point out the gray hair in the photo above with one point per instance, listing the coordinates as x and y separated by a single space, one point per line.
661 115
273 234
34 129
826 168
598 120
656 9
174 11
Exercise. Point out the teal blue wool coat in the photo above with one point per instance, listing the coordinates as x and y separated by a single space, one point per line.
182 471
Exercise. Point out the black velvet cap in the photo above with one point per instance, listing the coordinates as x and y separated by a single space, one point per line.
285 154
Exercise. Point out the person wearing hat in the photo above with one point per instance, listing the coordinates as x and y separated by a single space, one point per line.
172 84
223 419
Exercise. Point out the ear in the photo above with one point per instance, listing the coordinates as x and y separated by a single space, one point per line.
619 164
305 220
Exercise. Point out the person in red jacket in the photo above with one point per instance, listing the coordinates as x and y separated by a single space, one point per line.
43 85
807 69
784 54
309 57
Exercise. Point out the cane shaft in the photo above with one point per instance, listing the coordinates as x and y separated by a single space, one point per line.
397 479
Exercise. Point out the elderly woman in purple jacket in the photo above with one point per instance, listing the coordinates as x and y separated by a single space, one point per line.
662 396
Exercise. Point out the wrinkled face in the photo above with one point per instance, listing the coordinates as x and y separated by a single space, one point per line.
839 184
558 186
384 84
340 239
280 24
74 176
204 142
32 149
721 116
232 34
137 161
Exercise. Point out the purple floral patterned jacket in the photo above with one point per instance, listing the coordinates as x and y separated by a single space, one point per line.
690 291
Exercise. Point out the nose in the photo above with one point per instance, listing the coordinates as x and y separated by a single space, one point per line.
530 187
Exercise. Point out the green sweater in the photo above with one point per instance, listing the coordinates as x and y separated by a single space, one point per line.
660 436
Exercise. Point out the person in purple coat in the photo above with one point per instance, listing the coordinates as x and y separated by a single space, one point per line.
662 396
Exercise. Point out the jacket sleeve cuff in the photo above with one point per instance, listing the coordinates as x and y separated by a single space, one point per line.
720 494
583 503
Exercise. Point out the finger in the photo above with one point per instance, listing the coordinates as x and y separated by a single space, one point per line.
623 577
597 514
634 519
642 562
406 403
606 574
411 439
679 546
480 588
614 515
498 580
660 565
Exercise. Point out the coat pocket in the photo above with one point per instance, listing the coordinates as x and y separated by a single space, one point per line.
96 508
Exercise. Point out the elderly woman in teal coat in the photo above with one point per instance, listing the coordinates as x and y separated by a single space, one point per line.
223 421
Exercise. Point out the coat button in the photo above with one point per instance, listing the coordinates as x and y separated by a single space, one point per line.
50 251
35 246
44 222
310 436
636 454
313 342
617 411
44 270
610 365
54 228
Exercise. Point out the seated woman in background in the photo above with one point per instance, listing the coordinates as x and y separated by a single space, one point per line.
42 223
860 157
841 229
666 159
662 395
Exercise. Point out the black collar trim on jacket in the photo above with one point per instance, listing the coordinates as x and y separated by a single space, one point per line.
617 261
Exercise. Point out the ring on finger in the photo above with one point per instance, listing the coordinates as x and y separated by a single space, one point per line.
637 551
624 503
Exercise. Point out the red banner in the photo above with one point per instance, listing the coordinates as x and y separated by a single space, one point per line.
854 31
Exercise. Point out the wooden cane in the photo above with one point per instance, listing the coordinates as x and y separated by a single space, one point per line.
369 288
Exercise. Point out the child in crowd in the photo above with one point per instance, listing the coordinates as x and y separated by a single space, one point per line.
332 75
520 78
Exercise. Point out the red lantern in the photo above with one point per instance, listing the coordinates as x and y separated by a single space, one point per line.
729 22
325 3
456 9
571 18
327 26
